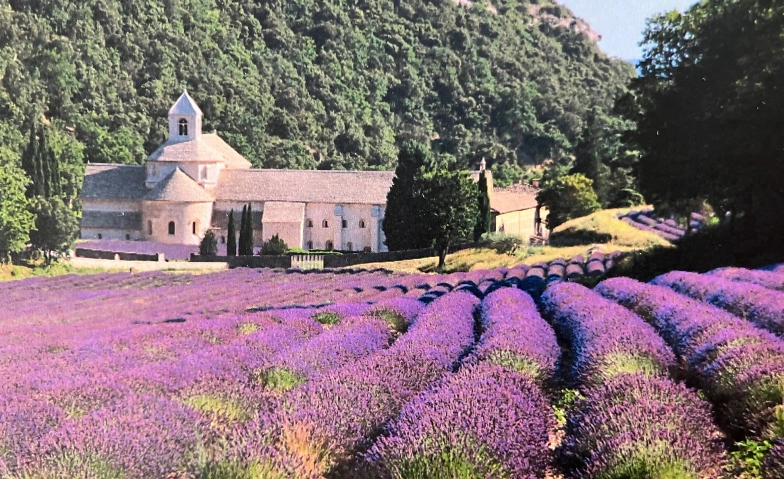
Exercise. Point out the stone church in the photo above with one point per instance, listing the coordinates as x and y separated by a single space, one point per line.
191 183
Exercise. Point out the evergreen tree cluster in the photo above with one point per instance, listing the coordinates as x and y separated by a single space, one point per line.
41 166
709 112
246 240
431 202
306 83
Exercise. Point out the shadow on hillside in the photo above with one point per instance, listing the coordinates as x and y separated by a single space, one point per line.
578 237
712 248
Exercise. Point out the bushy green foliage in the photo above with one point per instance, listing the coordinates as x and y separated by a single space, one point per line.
274 246
707 131
209 244
16 219
568 197
327 317
452 208
56 226
503 243
304 83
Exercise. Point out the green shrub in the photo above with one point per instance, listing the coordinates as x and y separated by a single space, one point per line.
274 246
209 244
503 243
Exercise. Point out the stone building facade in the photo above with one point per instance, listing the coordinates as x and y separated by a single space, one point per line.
191 183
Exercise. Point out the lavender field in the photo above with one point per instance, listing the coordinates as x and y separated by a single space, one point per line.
508 373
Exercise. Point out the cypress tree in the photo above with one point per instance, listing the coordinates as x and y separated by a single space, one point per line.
484 218
29 158
243 229
231 244
44 189
249 233
54 170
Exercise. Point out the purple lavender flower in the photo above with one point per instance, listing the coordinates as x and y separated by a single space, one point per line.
759 305
740 368
767 279
606 339
642 426
515 336
325 422
486 420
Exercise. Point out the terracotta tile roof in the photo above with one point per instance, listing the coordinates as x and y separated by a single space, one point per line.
233 159
514 198
283 212
178 186
116 220
123 182
186 151
305 186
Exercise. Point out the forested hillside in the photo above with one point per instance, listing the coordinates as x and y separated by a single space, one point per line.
303 83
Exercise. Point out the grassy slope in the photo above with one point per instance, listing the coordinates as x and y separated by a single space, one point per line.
12 272
602 229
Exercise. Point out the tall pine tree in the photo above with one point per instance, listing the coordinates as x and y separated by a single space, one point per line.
29 162
404 225
231 244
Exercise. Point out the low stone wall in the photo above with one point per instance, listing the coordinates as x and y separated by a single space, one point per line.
117 255
246 261
351 259
330 260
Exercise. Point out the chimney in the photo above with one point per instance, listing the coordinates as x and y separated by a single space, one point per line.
535 183
482 165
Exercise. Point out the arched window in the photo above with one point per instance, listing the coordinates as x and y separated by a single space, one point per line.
223 240
183 127
344 224
329 246
310 223
361 223
350 246
127 237
171 228
149 227
195 227
325 224
100 236
310 245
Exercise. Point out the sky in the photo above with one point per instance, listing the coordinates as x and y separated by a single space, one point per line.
621 22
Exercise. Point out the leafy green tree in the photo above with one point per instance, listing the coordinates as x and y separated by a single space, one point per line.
231 243
209 244
56 226
452 208
708 108
404 223
16 219
567 197
483 203
304 84
274 246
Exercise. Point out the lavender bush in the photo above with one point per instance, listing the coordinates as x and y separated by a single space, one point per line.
767 279
484 421
760 305
606 339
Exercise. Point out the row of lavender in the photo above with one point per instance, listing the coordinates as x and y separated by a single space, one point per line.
328 391
727 339
668 229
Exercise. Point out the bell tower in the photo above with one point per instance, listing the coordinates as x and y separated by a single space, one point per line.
185 119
